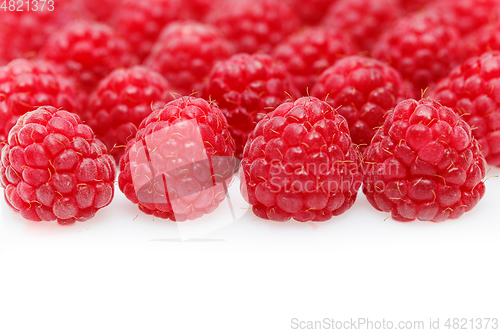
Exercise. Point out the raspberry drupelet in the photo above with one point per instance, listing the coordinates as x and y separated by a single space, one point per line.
186 52
121 101
363 20
422 47
254 25
53 168
25 85
88 52
180 162
473 91
308 52
423 164
362 90
300 163
246 87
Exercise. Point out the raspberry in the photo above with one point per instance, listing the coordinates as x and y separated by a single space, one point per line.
363 20
254 25
309 52
26 85
53 168
423 164
311 11
473 91
185 53
362 90
87 51
181 160
483 40
299 163
422 48
121 101
141 22
246 87
467 15
25 32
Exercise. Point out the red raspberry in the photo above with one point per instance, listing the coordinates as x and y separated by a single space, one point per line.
141 22
311 11
246 87
423 164
422 48
25 32
254 25
362 90
483 40
299 163
53 168
473 91
466 15
180 162
121 101
364 20
309 52
185 53
87 51
26 85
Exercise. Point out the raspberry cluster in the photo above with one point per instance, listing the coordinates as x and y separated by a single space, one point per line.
300 163
308 52
178 165
178 56
121 101
424 164
246 87
53 168
26 85
254 25
422 47
88 52
473 91
362 90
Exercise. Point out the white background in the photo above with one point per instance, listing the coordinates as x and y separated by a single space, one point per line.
124 271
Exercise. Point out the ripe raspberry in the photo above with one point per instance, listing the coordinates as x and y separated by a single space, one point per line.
25 32
309 52
311 11
87 51
246 87
483 40
299 163
473 91
254 25
363 20
466 15
121 101
180 162
362 90
185 53
141 22
53 168
26 85
423 164
422 48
